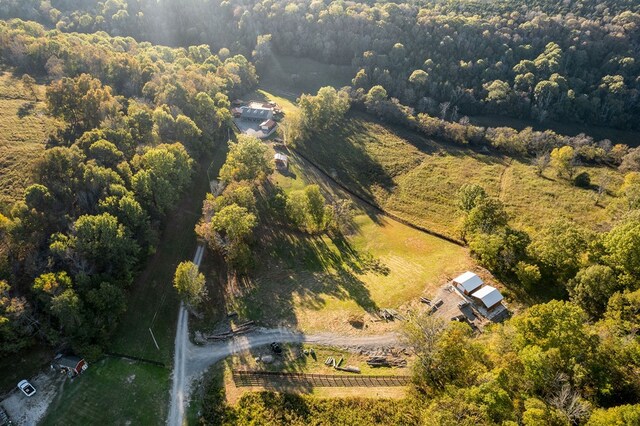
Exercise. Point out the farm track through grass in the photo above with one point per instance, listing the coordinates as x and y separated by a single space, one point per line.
418 178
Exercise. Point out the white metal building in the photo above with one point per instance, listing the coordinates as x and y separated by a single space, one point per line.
489 296
468 282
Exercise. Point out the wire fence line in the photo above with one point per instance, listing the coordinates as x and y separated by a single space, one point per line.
373 205
266 378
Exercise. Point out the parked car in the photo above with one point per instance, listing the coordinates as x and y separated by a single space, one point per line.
26 388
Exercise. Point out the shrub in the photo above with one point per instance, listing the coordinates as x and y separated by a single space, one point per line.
582 180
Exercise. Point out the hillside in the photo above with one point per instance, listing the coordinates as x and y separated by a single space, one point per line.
24 126
418 178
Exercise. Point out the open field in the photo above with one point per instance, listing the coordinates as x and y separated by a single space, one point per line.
302 75
113 391
24 126
317 283
418 178
293 360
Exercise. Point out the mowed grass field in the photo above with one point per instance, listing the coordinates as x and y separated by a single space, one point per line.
318 283
113 392
24 127
418 178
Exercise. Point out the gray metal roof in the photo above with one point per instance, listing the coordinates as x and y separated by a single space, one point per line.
256 113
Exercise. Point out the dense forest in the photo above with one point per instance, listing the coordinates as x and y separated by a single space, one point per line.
140 92
571 61
133 119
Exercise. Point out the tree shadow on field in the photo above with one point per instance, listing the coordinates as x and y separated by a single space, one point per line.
435 145
26 109
347 160
296 270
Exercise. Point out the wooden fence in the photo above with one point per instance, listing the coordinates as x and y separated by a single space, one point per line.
266 378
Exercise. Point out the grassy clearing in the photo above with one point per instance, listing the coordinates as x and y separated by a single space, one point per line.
318 283
113 391
24 126
418 178
153 302
293 361
289 77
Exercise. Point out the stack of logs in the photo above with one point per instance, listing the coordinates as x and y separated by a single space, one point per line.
245 327
383 361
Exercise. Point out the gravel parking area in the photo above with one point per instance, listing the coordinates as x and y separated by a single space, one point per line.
28 411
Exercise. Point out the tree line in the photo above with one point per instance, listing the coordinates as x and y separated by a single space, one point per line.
574 61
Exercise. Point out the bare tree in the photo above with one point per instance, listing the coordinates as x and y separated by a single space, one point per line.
454 113
541 162
603 183
570 403
444 108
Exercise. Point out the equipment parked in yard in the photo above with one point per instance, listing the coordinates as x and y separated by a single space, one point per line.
348 369
276 348
390 315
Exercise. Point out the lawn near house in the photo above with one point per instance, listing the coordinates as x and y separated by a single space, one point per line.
113 392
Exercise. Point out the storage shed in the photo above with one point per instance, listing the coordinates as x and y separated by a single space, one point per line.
282 161
70 364
489 296
468 282
267 125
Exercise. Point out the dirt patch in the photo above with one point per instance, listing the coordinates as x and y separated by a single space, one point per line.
24 410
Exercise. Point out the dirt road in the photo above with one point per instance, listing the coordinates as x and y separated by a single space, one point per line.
182 343
191 361
197 359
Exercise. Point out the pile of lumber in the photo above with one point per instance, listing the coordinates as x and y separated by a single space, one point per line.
383 361
234 331
331 361
390 315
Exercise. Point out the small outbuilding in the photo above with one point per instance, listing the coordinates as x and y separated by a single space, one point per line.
267 125
70 364
489 296
282 161
468 282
